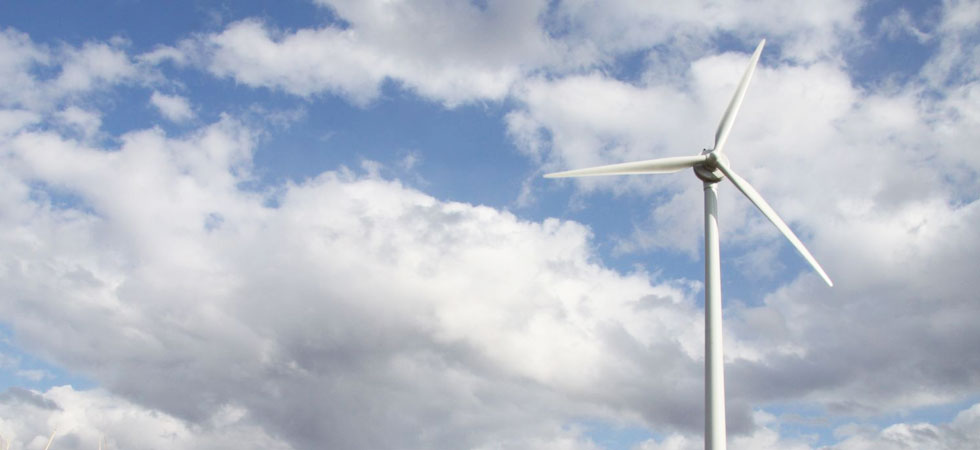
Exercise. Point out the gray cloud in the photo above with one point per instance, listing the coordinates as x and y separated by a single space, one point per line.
359 313
20 395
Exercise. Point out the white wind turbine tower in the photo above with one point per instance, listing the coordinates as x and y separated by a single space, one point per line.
711 166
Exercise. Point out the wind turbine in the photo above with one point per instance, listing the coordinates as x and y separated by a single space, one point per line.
711 166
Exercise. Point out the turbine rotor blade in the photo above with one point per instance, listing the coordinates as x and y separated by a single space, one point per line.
770 214
51 439
725 126
661 165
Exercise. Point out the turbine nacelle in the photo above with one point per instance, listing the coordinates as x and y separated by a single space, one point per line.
708 171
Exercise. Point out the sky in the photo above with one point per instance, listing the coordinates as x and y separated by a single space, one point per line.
318 224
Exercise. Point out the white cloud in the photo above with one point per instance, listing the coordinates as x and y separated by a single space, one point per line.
93 65
78 71
452 52
457 52
956 60
760 439
959 434
303 63
80 419
173 107
355 300
83 122
165 53
13 120
592 119
18 55
901 23
471 321
587 120
764 437
808 32
478 327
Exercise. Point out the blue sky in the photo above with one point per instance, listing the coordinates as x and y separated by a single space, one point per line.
309 224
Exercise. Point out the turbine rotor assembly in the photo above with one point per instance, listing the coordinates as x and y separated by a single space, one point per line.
708 171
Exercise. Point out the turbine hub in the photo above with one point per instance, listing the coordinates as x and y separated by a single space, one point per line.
708 170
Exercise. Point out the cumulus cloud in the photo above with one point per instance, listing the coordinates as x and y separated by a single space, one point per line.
83 122
307 62
808 32
960 433
18 56
93 65
457 52
350 311
173 107
476 326
12 120
451 52
78 70
81 419
956 61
